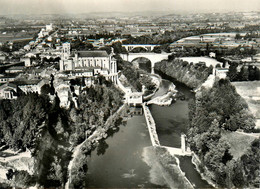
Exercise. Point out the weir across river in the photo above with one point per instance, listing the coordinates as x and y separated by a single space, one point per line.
154 137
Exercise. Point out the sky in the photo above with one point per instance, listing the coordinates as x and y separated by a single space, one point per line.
87 6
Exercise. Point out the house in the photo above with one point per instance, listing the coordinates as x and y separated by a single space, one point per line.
134 98
212 55
49 27
31 86
5 78
27 61
27 47
2 57
15 69
221 72
8 91
63 91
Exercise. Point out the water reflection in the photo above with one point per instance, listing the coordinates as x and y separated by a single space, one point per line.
102 146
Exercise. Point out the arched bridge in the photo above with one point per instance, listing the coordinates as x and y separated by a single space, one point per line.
148 47
153 57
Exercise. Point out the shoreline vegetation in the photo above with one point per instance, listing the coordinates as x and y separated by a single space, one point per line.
216 109
84 128
59 130
83 150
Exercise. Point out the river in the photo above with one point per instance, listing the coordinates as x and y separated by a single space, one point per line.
123 161
171 121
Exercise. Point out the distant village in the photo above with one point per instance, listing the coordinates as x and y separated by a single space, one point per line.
27 75
49 58
80 77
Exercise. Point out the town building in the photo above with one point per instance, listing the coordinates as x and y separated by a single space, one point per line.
221 72
97 62
27 61
8 91
49 27
134 98
15 69
5 78
31 86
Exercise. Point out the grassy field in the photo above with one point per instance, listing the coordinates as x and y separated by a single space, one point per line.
15 36
239 142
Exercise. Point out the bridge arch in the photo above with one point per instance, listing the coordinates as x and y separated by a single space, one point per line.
143 63
153 57
136 47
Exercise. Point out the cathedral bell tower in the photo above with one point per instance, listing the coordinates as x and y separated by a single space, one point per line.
66 51
65 56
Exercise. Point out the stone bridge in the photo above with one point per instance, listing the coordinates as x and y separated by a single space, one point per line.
148 47
153 57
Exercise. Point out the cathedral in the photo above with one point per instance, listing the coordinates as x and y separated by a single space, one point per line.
88 63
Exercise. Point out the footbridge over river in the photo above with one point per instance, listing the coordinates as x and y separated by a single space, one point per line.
153 57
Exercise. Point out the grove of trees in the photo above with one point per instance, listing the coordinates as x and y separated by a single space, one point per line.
191 74
246 73
215 110
136 77
49 131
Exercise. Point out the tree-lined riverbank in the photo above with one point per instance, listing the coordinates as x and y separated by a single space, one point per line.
215 111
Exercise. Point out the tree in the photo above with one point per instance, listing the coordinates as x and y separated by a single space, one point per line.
45 89
232 72
243 74
107 49
238 36
117 46
252 73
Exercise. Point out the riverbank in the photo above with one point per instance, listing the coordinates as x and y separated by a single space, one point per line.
210 100
156 79
163 154
91 143
159 158
165 99
175 110
191 75
203 173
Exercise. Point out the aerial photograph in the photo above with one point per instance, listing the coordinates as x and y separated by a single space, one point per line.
129 94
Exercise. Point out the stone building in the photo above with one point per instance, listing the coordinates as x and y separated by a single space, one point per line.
97 62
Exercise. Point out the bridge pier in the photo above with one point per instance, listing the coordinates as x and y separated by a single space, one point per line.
152 70
183 143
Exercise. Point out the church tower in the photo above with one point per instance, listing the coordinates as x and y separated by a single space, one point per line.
65 56
66 50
